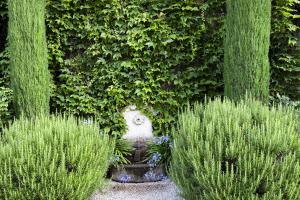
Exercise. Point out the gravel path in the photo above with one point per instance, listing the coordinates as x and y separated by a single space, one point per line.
162 190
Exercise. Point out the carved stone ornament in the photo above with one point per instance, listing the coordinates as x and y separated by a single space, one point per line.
139 126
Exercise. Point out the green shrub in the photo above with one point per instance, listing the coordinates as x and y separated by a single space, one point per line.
284 53
238 151
5 98
122 150
76 41
111 54
5 92
30 78
284 101
52 158
247 42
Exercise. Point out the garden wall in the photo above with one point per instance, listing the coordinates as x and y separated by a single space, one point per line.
106 54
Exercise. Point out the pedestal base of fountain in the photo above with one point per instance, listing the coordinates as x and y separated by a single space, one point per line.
138 173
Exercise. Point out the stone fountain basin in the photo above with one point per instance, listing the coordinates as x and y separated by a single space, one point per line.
137 172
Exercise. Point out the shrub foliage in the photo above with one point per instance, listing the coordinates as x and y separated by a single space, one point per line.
247 41
234 151
52 158
5 91
114 53
5 97
284 52
30 78
158 53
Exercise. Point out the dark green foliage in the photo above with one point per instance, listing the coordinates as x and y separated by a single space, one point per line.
247 41
284 101
5 92
225 150
52 158
3 25
29 75
161 146
284 53
212 55
122 150
87 40
5 98
73 29
112 54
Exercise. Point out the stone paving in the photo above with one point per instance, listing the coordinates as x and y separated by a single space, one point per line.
162 190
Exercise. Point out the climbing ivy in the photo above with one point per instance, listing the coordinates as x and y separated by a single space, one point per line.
106 54
5 92
115 53
284 52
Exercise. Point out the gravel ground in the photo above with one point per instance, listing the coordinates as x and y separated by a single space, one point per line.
162 190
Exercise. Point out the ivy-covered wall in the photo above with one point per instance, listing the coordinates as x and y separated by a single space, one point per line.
107 54
5 92
284 52
115 53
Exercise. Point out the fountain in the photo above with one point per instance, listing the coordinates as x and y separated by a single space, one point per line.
139 132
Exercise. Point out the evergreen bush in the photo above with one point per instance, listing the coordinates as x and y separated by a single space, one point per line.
247 42
52 158
238 151
30 78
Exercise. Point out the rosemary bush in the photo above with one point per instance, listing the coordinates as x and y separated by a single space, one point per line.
238 151
52 158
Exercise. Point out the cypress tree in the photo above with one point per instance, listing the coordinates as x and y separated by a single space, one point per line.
30 78
247 41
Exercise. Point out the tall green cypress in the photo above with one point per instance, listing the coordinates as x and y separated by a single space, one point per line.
247 41
30 78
